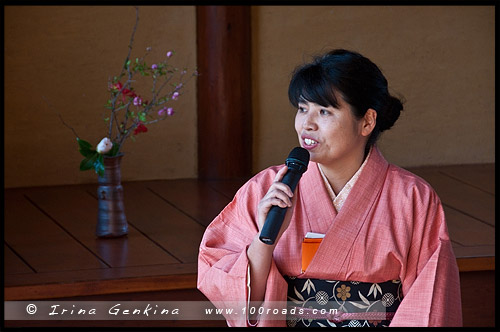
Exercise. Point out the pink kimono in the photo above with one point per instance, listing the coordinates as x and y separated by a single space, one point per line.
391 226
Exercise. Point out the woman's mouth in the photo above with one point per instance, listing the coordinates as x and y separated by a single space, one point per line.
309 143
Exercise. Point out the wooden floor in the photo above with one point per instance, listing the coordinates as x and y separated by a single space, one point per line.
468 197
51 252
51 249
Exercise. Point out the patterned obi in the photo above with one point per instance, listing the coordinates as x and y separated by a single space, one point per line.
324 303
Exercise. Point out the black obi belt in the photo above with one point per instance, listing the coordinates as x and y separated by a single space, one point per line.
325 303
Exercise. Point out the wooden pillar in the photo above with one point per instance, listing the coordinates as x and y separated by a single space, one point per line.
224 94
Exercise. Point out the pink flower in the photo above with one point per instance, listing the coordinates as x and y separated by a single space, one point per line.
137 101
169 111
175 95
169 54
154 66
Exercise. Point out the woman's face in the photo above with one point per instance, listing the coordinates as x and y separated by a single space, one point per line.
331 135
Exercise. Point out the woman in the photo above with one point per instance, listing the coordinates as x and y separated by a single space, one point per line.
386 247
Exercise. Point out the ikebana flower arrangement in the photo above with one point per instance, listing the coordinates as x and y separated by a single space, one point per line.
131 109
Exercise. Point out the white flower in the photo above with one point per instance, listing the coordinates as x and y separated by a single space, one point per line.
104 146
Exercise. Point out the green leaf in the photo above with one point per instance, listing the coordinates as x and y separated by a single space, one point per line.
87 153
89 161
99 165
83 144
142 116
85 148
85 164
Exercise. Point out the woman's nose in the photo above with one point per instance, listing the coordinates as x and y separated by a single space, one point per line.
309 122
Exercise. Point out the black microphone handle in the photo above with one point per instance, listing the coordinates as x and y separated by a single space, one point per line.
276 214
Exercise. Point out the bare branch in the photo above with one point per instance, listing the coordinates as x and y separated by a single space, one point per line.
60 117
131 38
64 123
128 131
123 67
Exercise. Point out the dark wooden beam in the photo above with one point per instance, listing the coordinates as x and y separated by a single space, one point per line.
224 92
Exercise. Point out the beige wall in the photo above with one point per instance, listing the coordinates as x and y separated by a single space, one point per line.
67 53
441 59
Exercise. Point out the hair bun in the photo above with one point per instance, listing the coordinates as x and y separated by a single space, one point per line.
391 113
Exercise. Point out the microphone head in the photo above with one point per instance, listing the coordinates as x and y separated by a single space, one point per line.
298 156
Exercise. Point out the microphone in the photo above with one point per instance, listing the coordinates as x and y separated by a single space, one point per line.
297 162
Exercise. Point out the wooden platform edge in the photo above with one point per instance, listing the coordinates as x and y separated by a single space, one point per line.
159 283
100 287
470 264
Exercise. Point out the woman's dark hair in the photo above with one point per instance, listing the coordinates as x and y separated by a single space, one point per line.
354 78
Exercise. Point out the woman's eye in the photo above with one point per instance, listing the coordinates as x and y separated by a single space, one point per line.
324 112
301 110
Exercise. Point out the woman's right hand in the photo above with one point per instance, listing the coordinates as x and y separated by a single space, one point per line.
279 194
260 254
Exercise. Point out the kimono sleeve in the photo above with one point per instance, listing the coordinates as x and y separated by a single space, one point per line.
431 284
223 262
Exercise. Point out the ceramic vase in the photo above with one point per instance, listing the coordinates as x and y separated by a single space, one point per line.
111 220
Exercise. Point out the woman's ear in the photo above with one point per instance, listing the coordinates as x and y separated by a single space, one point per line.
369 122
